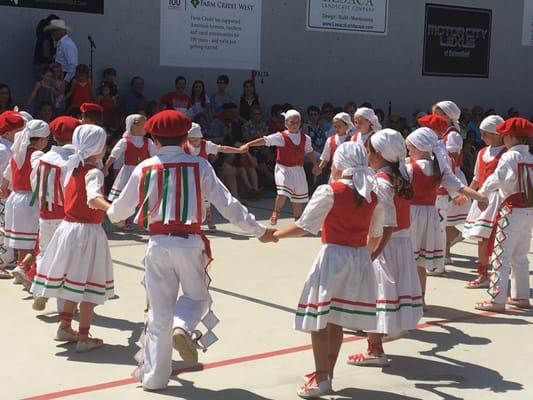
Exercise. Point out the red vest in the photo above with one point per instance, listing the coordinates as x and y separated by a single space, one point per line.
203 149
403 215
21 177
424 187
333 144
458 159
487 168
134 155
291 155
76 208
55 209
346 224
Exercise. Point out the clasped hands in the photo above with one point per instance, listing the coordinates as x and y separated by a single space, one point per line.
268 236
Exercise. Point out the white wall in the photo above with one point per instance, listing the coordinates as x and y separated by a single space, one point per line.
304 67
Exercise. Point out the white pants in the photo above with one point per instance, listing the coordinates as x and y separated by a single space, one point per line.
7 254
514 257
170 263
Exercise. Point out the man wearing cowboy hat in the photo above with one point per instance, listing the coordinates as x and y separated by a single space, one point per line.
66 50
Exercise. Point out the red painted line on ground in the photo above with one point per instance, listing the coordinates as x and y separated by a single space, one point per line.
234 361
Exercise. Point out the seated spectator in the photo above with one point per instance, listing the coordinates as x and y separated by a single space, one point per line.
42 91
328 111
473 125
255 127
110 80
221 96
489 112
45 112
81 89
379 113
202 120
469 155
177 100
6 101
60 87
106 99
286 107
134 101
249 98
276 122
513 113
199 101
350 108
314 130
151 109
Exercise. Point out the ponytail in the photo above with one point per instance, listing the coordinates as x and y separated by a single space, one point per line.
437 173
401 185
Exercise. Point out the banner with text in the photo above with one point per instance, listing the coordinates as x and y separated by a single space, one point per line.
527 27
350 16
86 6
211 33
457 41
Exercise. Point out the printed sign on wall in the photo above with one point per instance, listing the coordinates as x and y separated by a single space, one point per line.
211 34
527 27
86 6
350 16
457 41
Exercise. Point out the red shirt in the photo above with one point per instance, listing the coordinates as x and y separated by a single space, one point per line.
172 100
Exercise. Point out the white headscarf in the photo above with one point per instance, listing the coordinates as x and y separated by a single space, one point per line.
452 111
195 131
33 128
130 120
370 116
425 139
490 123
391 145
345 117
88 140
351 159
290 114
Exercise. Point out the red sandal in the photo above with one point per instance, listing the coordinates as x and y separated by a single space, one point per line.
368 358
314 389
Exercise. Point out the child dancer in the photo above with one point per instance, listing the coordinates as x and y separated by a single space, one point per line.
197 146
366 123
292 147
455 210
178 253
340 290
10 124
92 113
135 147
399 302
511 236
48 189
77 265
479 224
428 168
342 124
22 215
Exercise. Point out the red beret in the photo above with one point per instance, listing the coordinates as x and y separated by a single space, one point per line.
91 107
62 128
516 127
10 121
168 123
435 122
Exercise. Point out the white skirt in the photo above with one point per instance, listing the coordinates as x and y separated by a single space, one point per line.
479 223
399 304
21 221
340 289
457 214
120 181
77 265
427 237
292 183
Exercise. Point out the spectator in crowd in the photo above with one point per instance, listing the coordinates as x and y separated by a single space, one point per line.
256 126
43 91
469 155
45 112
134 101
227 130
350 108
66 50
490 111
276 122
177 100
43 53
328 111
81 88
60 87
152 108
202 120
379 113
249 98
6 101
477 116
314 130
416 115
200 103
221 97
106 98
110 80
513 112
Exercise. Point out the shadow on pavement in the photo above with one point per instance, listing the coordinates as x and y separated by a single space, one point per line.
461 316
365 394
